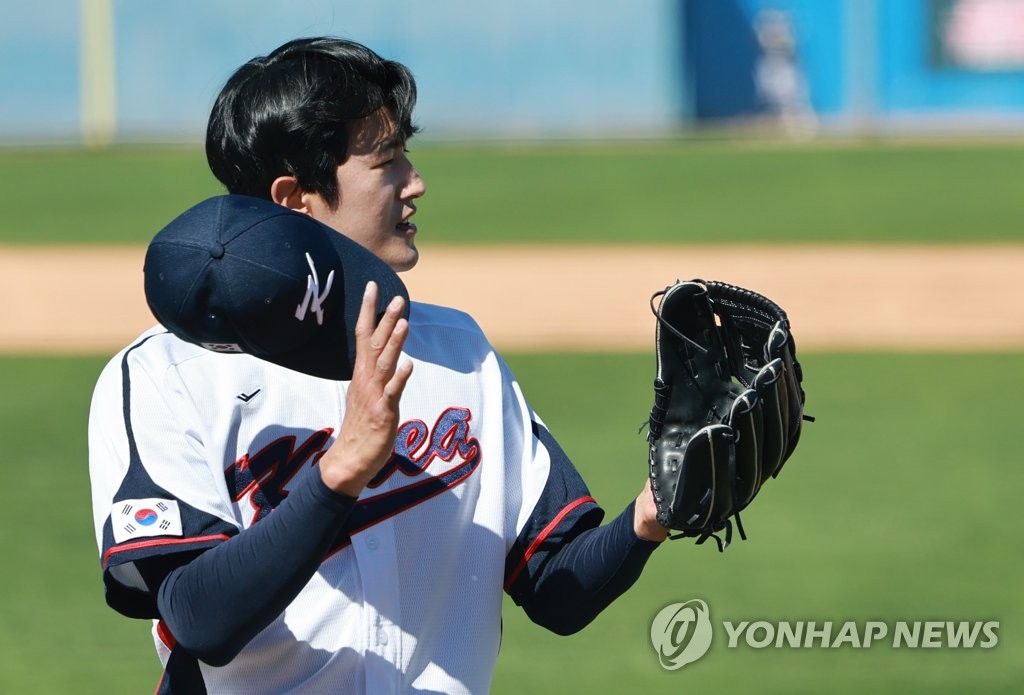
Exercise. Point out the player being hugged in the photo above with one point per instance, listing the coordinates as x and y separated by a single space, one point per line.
307 482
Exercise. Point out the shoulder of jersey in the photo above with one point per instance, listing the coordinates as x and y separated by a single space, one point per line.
426 316
160 348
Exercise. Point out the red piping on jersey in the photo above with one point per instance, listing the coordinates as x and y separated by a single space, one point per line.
542 536
164 633
161 541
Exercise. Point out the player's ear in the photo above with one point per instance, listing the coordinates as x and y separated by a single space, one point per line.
286 191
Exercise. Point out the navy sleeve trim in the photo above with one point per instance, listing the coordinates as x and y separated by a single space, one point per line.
199 529
564 509
143 549
585 575
126 399
512 576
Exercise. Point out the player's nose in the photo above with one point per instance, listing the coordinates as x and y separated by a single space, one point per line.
415 187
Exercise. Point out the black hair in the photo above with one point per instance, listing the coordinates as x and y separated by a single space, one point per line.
289 114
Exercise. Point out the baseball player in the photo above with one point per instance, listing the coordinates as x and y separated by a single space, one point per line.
288 533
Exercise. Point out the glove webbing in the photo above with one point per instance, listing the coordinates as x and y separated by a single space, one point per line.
712 532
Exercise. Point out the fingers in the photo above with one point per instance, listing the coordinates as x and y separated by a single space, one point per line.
390 333
387 360
366 439
396 385
379 347
367 312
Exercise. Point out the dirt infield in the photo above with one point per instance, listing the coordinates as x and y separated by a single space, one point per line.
88 299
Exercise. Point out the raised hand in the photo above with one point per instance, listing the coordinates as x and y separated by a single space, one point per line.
367 436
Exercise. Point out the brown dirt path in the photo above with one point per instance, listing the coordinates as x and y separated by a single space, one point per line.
89 299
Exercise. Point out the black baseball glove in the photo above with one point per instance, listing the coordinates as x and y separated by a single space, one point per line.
728 404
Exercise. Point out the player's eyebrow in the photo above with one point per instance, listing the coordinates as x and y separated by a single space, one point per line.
395 139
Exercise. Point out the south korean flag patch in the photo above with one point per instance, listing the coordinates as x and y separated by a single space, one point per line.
142 518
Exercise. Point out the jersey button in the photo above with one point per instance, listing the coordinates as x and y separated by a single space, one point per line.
382 637
372 543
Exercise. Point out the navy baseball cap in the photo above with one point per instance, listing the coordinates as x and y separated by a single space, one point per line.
245 275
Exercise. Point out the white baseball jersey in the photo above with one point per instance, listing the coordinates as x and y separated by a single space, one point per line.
189 447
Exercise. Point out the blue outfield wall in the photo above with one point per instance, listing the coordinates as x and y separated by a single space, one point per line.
38 67
532 68
911 84
721 50
863 60
526 68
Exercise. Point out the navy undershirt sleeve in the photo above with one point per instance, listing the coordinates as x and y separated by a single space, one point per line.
217 602
586 574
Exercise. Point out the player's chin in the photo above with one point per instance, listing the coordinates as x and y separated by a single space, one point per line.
405 256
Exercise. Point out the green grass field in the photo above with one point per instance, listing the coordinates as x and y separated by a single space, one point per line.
682 191
898 506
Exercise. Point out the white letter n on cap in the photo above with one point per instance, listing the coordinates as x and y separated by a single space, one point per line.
313 295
